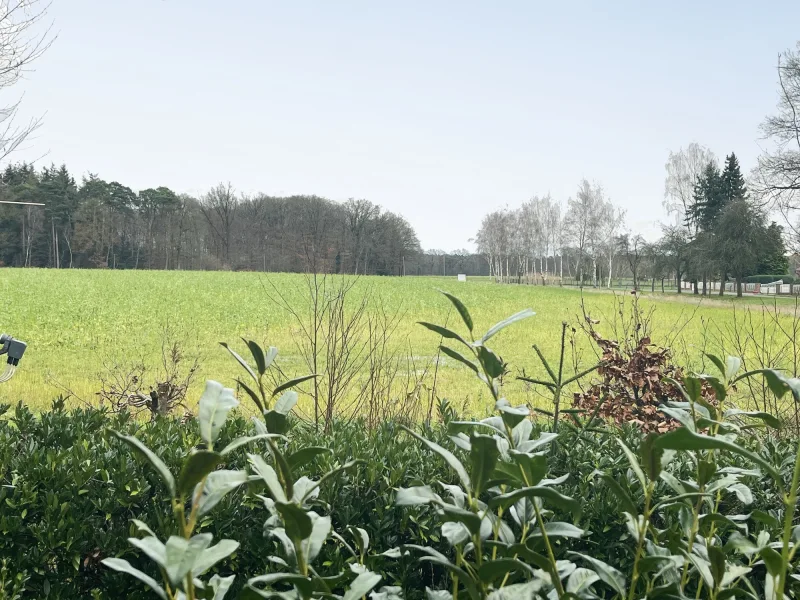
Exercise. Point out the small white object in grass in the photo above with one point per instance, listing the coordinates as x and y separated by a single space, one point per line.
462 277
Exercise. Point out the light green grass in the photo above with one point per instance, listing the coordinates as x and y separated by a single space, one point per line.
74 320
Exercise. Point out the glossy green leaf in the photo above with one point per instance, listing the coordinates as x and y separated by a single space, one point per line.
495 329
244 440
258 355
270 477
443 332
449 458
320 530
693 387
773 561
462 310
471 520
717 559
580 580
284 470
275 422
732 366
152 547
683 439
437 594
546 493
555 529
765 518
767 418
637 469
182 554
534 466
257 400
608 574
123 566
212 555
628 504
362 585
456 356
511 415
215 404
295 519
717 363
776 381
290 384
493 570
241 361
151 457
286 402
217 485
455 533
305 455
651 456
483 458
220 586
517 591
415 496
491 362
196 467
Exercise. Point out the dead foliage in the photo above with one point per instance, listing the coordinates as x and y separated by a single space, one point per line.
634 383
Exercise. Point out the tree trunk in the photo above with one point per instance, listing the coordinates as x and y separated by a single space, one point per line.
739 287
705 284
653 285
662 285
722 286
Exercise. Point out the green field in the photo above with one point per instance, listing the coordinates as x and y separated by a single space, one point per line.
75 322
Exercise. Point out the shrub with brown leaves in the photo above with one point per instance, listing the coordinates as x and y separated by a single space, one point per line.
634 384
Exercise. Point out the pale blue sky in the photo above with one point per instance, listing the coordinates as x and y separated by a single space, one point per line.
441 111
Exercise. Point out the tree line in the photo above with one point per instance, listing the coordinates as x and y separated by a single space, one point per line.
722 227
102 224
719 233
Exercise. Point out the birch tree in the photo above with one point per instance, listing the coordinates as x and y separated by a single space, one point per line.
582 226
684 169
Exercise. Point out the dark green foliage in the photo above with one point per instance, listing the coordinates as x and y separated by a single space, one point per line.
733 186
772 254
739 238
709 199
75 490
51 458
770 278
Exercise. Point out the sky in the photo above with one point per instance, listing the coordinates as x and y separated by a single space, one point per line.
441 111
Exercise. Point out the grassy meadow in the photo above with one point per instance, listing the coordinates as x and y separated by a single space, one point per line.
80 323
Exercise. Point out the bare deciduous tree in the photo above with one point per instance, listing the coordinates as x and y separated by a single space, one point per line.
582 224
219 208
683 170
20 46
775 182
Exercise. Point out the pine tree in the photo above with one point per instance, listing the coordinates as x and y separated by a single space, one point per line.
732 180
709 198
772 258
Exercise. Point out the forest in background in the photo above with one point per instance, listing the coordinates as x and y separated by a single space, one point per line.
102 224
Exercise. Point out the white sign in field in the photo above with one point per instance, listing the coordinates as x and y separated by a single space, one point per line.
462 277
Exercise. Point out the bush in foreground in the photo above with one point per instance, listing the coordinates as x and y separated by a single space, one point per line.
705 510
